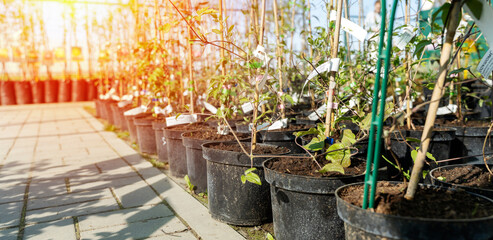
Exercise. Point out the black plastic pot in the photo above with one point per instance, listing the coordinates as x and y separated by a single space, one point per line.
108 111
51 91
481 191
162 149
146 135
177 158
440 147
304 207
470 141
8 93
38 90
196 164
132 129
230 200
79 90
242 127
366 224
123 121
23 94
305 120
283 139
97 104
115 111
65 91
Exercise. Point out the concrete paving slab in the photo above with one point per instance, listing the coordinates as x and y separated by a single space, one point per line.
72 210
124 216
69 198
173 229
9 234
61 229
136 194
12 192
10 214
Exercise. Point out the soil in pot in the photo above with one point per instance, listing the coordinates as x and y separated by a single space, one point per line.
158 125
8 93
23 93
230 200
38 89
145 134
196 164
435 213
284 137
400 150
303 200
51 91
176 158
472 178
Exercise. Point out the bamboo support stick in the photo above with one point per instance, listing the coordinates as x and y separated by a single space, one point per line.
279 57
435 99
332 75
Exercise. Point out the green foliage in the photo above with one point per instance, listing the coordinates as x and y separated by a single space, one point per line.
251 176
190 187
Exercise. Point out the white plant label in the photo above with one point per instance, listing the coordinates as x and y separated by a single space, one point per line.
168 109
210 108
222 130
485 22
260 127
283 123
332 66
403 39
182 119
261 54
350 27
319 112
163 140
485 66
449 109
248 107
135 111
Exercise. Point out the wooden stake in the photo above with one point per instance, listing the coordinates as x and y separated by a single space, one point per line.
190 63
435 99
332 75
279 57
223 65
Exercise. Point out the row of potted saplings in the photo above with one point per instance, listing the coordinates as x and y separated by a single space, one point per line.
46 91
311 206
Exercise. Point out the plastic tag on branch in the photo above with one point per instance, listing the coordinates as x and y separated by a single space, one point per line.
135 111
181 119
260 127
124 103
488 82
449 109
261 54
483 17
319 112
168 109
279 124
248 107
222 129
350 27
401 40
330 66
210 108
163 140
262 79
158 110
485 66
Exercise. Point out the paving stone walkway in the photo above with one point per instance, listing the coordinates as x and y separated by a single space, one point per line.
63 177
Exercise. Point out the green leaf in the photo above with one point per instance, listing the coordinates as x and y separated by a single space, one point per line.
414 154
425 172
308 132
430 156
269 236
420 47
217 31
441 178
410 139
338 153
476 7
250 176
332 167
316 144
348 138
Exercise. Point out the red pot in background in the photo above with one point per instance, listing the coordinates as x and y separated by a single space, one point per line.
92 90
79 90
51 91
7 93
38 90
23 94
65 91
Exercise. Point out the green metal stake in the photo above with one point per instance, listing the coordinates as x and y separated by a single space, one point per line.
379 95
